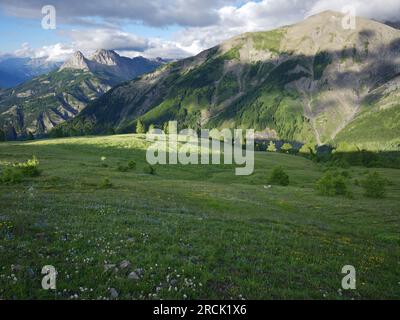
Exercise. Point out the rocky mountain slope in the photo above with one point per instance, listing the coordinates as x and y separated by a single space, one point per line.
313 82
37 106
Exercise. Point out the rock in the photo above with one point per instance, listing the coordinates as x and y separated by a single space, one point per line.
133 276
113 293
139 272
124 264
108 267
16 268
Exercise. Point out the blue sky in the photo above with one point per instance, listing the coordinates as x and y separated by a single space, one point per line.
166 28
14 31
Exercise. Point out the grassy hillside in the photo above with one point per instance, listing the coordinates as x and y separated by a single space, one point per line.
194 231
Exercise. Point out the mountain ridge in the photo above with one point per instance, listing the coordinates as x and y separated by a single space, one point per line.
305 82
35 107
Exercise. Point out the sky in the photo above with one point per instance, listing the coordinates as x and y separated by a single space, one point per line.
156 28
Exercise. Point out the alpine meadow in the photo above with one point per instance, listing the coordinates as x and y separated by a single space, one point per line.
84 215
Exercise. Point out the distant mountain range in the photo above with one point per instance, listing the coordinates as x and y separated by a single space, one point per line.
36 106
313 82
14 70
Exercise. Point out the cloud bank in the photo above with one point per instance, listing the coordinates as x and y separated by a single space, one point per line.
201 24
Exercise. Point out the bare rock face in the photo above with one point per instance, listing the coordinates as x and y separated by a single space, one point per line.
77 61
106 57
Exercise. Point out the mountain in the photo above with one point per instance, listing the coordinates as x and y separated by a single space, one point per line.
14 70
313 82
110 65
393 24
38 105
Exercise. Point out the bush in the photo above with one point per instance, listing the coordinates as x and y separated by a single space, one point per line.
106 184
29 168
279 177
332 184
286 148
374 186
132 165
149 170
10 175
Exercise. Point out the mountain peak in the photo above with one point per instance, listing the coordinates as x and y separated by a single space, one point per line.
77 61
106 57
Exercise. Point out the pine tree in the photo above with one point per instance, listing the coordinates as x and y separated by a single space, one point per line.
271 147
140 129
151 128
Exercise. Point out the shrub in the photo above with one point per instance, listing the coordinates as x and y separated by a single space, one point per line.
106 184
149 170
132 165
332 184
271 147
279 177
286 148
374 186
29 168
10 175
307 149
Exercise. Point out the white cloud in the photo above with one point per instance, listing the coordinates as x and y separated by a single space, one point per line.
270 14
56 52
383 10
108 39
204 23
127 44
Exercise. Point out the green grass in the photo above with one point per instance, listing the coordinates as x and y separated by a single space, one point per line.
374 130
199 229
